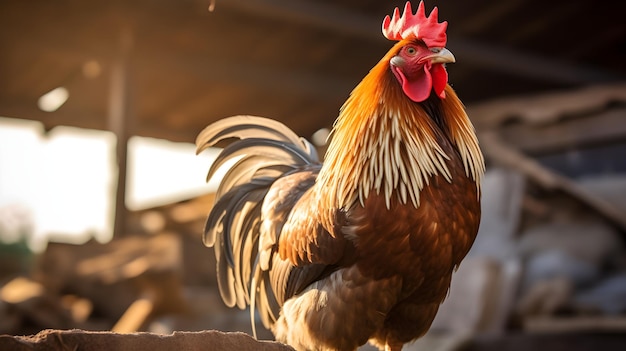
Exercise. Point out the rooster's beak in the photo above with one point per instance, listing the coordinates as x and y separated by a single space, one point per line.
443 56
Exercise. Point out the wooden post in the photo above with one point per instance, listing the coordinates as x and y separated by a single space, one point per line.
119 121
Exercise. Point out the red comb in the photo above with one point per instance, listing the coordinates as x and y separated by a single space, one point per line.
417 25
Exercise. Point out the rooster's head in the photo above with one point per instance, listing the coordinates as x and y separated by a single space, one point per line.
418 59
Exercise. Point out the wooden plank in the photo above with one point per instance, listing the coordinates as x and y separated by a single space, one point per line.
545 108
136 315
599 128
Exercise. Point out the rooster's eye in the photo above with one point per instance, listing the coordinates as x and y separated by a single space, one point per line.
411 50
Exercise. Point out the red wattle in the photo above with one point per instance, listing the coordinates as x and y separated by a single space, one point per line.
418 89
440 79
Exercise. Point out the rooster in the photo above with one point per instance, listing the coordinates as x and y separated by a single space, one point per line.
361 247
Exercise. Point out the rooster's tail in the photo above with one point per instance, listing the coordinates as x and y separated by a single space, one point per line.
265 151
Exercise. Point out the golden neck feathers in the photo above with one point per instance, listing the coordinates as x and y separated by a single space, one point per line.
386 143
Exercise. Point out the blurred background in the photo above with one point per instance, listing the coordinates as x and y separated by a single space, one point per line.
103 200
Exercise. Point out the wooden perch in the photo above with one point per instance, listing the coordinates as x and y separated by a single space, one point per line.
98 341
498 151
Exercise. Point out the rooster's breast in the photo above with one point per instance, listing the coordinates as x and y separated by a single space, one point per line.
420 244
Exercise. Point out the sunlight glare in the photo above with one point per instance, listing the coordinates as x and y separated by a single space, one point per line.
53 100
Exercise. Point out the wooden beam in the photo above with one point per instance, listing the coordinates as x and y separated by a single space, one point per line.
315 14
527 65
119 122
